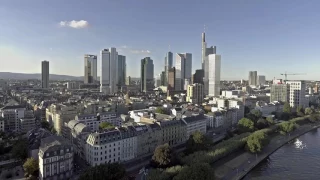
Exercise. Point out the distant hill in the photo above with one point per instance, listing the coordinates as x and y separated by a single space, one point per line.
24 76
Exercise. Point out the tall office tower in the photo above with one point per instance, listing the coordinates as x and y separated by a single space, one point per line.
183 69
214 74
122 70
90 69
261 80
171 79
198 76
109 71
204 57
163 78
195 93
253 78
147 76
167 65
45 74
279 92
297 94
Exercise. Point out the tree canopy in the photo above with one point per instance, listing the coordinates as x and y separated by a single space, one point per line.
197 142
300 111
246 125
262 123
287 108
314 118
308 111
287 127
257 141
106 125
111 171
31 166
20 149
160 110
196 171
162 156
270 121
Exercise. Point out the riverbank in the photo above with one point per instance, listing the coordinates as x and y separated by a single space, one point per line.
238 167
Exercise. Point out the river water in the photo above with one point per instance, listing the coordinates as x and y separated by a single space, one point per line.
291 162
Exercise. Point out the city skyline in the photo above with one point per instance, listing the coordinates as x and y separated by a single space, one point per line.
242 31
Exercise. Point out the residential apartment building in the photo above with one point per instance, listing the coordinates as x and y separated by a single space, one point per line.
195 123
111 146
94 120
195 93
12 116
28 122
297 93
55 158
279 93
148 138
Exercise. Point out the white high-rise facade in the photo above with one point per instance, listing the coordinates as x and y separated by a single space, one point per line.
183 69
109 71
214 72
297 95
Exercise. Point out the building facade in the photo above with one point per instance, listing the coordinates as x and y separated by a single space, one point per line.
297 94
147 74
109 71
55 159
45 74
122 70
214 74
195 93
279 92
168 65
183 69
90 69
253 78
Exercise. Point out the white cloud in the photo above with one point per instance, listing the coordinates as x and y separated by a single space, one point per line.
74 24
133 51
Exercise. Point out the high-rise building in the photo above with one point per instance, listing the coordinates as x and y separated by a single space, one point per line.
147 74
206 51
45 74
128 81
213 64
122 70
261 80
279 92
168 64
171 79
198 76
163 78
109 71
183 69
90 69
195 93
253 78
297 94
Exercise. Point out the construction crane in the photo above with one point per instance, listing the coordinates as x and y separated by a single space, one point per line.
285 75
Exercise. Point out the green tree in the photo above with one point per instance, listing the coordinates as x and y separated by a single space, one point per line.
163 156
196 171
270 121
246 110
256 113
287 108
300 111
308 111
157 174
257 141
197 142
106 125
314 118
287 127
262 123
160 110
246 125
19 149
111 171
31 166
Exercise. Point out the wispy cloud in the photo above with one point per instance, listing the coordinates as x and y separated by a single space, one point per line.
75 24
134 51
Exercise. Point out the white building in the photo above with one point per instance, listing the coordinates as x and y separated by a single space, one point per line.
195 93
111 146
195 123
55 158
297 93
94 120
12 116
109 71
214 73
183 69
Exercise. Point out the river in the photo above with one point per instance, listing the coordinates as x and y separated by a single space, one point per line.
290 162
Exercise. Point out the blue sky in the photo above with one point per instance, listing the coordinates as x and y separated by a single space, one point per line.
268 36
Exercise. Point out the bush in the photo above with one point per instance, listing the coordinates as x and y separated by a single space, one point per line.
256 141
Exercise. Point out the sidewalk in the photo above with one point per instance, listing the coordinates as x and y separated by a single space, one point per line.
238 167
